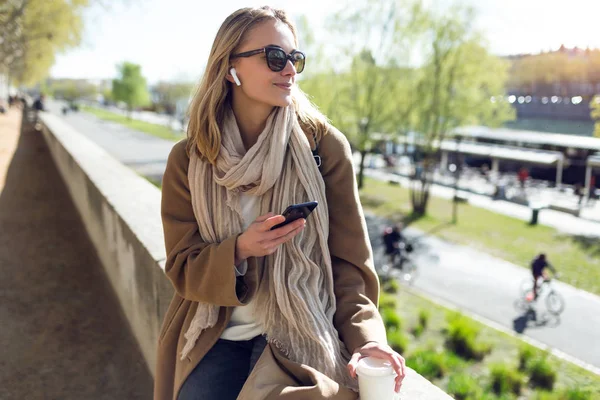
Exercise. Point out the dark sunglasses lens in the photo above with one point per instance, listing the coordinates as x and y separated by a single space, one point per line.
299 61
276 59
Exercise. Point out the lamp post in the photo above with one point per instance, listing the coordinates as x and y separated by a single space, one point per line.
456 179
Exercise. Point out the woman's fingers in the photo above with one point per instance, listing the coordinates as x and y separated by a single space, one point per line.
384 353
275 243
282 231
353 363
264 217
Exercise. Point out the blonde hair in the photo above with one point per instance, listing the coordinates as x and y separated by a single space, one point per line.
208 105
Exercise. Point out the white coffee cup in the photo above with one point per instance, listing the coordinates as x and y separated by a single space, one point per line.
376 379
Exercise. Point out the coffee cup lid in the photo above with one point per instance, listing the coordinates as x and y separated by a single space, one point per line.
371 366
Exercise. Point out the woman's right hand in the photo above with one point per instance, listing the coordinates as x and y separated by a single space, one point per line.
259 240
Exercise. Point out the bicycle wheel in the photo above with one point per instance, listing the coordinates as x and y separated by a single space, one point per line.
555 303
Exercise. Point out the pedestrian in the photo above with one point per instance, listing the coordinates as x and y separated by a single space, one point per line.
578 191
260 313
523 175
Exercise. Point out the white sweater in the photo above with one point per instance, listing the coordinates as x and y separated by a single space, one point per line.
243 325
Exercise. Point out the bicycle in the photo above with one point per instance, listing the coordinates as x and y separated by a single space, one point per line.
554 301
403 267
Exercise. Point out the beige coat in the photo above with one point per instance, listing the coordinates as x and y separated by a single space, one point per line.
202 272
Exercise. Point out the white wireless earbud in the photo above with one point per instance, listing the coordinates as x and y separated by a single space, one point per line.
235 77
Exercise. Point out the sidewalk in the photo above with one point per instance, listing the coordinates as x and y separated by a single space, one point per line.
63 335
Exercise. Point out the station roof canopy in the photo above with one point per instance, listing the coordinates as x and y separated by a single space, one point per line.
504 152
531 137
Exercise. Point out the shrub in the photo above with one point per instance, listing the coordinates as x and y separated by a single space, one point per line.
461 338
391 320
428 363
505 380
391 286
541 373
526 353
424 318
463 386
387 301
417 330
397 341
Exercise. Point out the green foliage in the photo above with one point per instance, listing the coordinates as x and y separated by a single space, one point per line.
541 373
130 86
432 364
72 90
526 353
461 338
424 316
463 386
417 331
391 320
428 363
504 379
397 341
375 88
387 300
391 286
33 32
565 394
168 94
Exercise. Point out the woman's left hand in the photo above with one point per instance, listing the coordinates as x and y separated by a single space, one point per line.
384 352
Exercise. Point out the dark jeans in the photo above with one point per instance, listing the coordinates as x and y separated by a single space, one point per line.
223 371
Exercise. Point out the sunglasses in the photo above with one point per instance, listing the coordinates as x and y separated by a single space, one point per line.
277 59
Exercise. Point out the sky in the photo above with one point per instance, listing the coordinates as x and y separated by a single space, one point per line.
171 39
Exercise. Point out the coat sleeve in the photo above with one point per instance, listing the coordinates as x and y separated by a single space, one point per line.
356 283
199 271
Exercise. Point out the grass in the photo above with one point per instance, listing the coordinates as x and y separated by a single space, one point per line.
576 258
462 338
505 349
464 387
504 379
160 131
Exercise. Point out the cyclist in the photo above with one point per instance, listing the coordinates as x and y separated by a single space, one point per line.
394 242
538 270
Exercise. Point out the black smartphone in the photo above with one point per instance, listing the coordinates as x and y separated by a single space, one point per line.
297 211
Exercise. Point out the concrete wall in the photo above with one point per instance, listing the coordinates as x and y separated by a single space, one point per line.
121 212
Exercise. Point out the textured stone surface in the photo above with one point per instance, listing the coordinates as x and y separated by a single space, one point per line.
62 335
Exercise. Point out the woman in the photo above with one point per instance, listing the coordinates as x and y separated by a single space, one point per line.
260 313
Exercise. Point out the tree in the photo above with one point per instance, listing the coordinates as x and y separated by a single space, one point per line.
72 90
168 94
34 31
455 87
130 87
377 87
595 106
358 93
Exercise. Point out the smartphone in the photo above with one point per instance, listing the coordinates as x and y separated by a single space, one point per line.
297 211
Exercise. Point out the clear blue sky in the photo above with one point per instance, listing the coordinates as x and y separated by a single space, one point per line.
171 38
